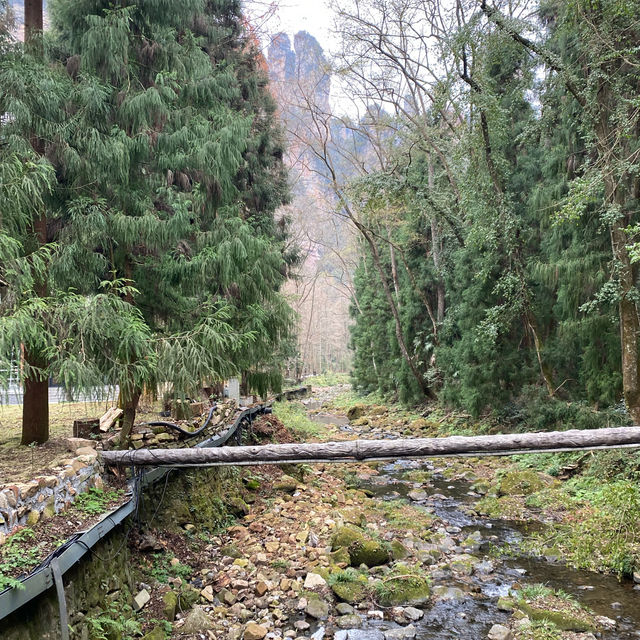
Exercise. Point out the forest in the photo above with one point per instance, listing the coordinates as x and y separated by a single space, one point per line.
328 335
498 211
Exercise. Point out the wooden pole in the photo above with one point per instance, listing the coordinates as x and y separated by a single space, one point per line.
372 450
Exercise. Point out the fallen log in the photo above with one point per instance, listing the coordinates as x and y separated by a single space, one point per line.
372 450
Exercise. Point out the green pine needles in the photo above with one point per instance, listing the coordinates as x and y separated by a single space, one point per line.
162 260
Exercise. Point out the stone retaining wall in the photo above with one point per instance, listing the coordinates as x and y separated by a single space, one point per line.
24 504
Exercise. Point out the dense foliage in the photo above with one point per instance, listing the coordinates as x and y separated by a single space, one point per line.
144 135
510 194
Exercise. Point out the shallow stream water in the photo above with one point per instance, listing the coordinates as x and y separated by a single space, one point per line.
471 614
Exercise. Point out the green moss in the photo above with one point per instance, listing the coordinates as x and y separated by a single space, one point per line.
564 620
523 482
398 550
362 548
349 586
509 507
403 590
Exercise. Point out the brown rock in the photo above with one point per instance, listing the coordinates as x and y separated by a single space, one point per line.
73 444
254 631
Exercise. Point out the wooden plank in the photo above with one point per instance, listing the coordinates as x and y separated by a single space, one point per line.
109 418
370 450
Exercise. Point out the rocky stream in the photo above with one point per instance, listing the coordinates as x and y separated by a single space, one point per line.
387 552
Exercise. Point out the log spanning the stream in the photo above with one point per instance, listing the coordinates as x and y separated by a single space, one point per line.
372 450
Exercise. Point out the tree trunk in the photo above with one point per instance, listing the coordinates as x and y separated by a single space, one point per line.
436 252
129 404
33 21
350 450
629 325
35 408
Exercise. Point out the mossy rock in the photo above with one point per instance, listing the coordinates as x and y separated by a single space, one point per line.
356 411
370 552
286 483
252 484
351 591
401 590
187 597
170 605
398 550
564 620
362 549
236 506
345 536
340 556
360 422
157 633
524 482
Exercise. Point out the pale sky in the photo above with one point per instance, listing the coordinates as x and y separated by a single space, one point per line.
292 16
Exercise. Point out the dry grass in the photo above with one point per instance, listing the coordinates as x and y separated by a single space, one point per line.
19 463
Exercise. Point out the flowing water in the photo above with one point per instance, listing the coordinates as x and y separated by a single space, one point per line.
472 610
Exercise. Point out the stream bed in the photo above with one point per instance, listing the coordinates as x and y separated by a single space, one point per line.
467 607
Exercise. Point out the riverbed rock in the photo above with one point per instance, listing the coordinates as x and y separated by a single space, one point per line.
349 621
196 621
314 580
359 634
499 632
413 614
316 607
254 631
404 633
448 593
344 609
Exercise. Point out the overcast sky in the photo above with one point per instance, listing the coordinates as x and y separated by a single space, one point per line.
292 16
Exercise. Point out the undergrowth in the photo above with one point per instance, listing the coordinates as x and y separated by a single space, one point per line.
294 416
328 379
17 555
95 501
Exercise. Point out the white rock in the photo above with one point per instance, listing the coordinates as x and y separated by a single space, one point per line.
141 599
314 580
499 632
